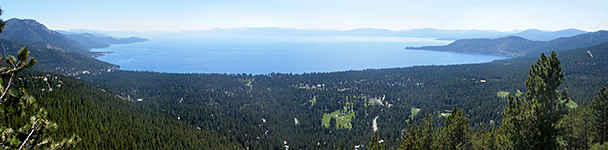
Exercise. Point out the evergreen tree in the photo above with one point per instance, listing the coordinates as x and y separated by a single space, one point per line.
23 124
488 140
542 83
410 139
456 133
515 131
576 126
342 145
599 111
332 123
421 137
530 122
375 143
427 133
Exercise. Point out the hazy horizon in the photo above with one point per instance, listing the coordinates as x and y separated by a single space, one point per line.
175 16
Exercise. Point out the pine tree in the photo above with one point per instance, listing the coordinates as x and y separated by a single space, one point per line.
576 126
514 130
410 139
22 122
342 145
530 122
375 143
421 136
542 83
332 123
427 133
489 139
456 133
599 111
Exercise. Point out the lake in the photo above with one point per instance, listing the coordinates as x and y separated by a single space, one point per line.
281 54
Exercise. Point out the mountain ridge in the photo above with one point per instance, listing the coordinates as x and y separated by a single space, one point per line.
518 46
35 34
97 40
442 34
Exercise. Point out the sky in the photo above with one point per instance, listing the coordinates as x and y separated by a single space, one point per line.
184 15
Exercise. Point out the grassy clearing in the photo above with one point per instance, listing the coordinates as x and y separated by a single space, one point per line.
518 94
444 115
342 119
502 94
414 111
571 104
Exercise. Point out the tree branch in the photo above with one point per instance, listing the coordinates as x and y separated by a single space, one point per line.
10 80
12 70
28 136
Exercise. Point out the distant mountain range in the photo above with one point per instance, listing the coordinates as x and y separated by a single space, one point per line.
35 34
538 35
532 34
96 40
518 46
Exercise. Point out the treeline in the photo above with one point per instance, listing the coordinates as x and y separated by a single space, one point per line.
538 120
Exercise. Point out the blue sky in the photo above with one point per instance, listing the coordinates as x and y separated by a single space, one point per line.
181 15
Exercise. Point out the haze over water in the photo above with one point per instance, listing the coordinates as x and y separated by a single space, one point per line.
281 54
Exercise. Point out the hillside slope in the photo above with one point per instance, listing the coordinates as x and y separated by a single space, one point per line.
100 41
517 46
35 34
105 121
58 61
538 35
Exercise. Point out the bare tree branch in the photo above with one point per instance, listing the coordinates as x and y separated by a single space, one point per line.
10 80
28 136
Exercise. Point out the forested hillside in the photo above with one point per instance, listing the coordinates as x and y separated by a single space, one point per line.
105 121
517 46
91 40
63 62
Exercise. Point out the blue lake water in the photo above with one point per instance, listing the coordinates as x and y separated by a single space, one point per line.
284 54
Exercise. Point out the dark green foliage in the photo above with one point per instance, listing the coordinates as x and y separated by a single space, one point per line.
51 60
410 139
599 113
456 133
23 124
576 128
375 143
105 121
332 123
428 134
2 23
421 137
542 83
529 122
485 139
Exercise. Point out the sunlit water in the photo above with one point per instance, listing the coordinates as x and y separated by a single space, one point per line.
284 54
